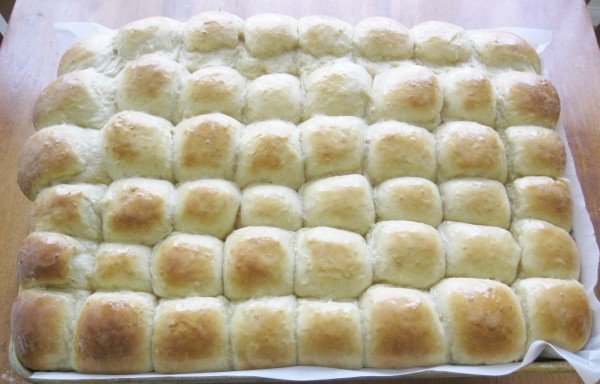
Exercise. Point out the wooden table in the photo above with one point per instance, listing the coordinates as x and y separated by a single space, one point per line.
29 58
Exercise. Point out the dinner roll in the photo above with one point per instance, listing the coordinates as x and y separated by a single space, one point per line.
480 251
41 324
91 52
396 149
543 198
483 320
440 43
331 263
122 267
534 151
329 334
476 201
72 209
546 250
269 152
272 206
408 198
343 202
258 261
138 145
263 333
83 98
468 149
208 207
187 265
205 147
112 333
505 50
407 254
49 259
557 311
60 154
324 36
191 335
150 35
138 211
274 96
381 38
270 34
468 96
332 145
402 329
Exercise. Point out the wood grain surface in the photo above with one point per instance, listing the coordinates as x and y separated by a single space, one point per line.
29 58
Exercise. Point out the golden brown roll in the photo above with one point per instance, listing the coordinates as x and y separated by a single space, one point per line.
258 261
407 254
556 311
191 335
505 50
331 263
272 206
329 334
91 52
150 35
187 265
440 43
268 34
263 333
483 321
274 96
402 329
396 149
324 36
382 39
122 267
112 333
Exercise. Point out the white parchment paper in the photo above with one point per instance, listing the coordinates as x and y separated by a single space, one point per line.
586 362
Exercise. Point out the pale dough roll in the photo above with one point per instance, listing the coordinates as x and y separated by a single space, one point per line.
72 209
382 38
268 34
272 206
504 50
547 250
440 43
331 263
112 333
480 251
556 311
191 335
332 145
476 201
329 334
122 267
323 36
212 31
137 144
483 321
407 254
408 198
468 149
263 333
252 67
91 52
343 202
402 329
205 147
274 96
187 265
150 35
396 149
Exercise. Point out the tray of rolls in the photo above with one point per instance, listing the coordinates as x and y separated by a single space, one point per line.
224 195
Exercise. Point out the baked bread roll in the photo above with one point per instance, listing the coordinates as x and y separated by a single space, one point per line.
402 329
112 333
187 265
440 43
343 202
476 201
468 149
480 251
324 36
396 149
483 321
272 206
150 35
205 147
91 52
546 250
191 335
543 198
329 334
138 211
274 96
122 267
382 39
407 254
263 333
556 311
332 145
331 263
136 144
504 50
408 198
258 261
49 259
208 207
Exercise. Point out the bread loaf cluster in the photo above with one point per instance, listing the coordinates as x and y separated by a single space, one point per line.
244 194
